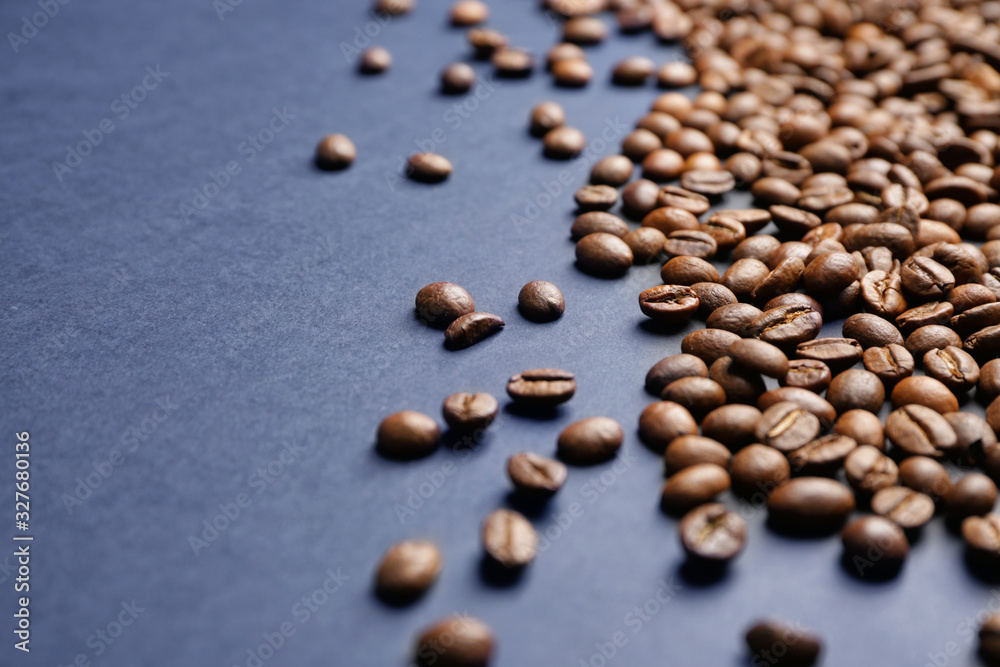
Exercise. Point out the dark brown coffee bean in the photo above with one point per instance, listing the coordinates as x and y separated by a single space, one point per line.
673 368
660 423
982 539
793 221
713 533
535 476
837 353
457 78
743 276
733 425
918 430
989 381
878 259
976 440
428 167
698 395
905 507
969 296
335 151
975 494
923 315
727 232
805 399
512 63
542 387
509 538
757 470
925 475
993 415
597 221
882 294
924 278
374 60
440 304
787 426
736 318
595 198
603 255
756 247
745 167
869 470
613 170
668 219
708 182
486 42
469 412
708 344
712 297
799 646
407 570
548 116
591 440
794 299
646 244
821 199
688 450
890 363
685 270
830 273
875 546
541 301
740 385
856 389
759 357
772 191
572 72
469 12
810 504
671 195
640 143
470 329
930 337
787 325
984 344
926 391
808 374
669 303
822 456
456 641
640 197
633 71
871 330
693 486
782 280
865 427
407 435
564 143
955 368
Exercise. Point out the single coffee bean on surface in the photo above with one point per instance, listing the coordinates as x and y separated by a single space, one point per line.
699 395
929 337
740 385
572 72
407 569
934 312
469 12
713 533
982 539
870 330
976 440
428 167
875 546
548 116
603 255
974 494
440 304
953 367
640 197
733 425
926 391
787 326
688 450
924 474
469 412
640 143
613 170
374 60
632 71
756 470
864 426
882 294
920 431
509 538
584 30
407 435
687 270
564 143
660 423
672 368
455 641
907 508
808 504
542 387
787 426
457 78
512 63
691 244
535 476
800 646
335 151
869 470
563 50
807 374
470 329
485 42
592 222
394 7
837 353
736 318
541 301
693 486
591 440
856 389
823 456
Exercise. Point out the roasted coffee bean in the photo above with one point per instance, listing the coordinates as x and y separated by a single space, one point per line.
469 12
975 494
428 167
708 182
926 391
822 456
669 219
930 337
743 276
890 363
335 151
976 319
787 426
542 387
830 273
640 143
805 399
925 475
603 255
733 425
456 641
856 389
469 412
862 425
407 435
713 533
640 197
757 470
457 78
982 539
874 545
712 297
929 313
671 195
686 270
800 647
646 244
727 232
984 344
541 301
564 143
882 294
955 368
775 191
535 476
374 60
989 381
407 569
794 299
673 368
486 42
837 353
693 486
822 198
782 280
807 374
595 198
759 357
440 304
739 384
708 344
688 450
745 167
394 7
597 221
853 213
870 330
924 278
976 440
698 395
878 259
512 63
572 72
919 430
810 504
584 30
968 296
633 71
897 238
736 318
869 470
676 74
470 329
786 326
548 116
672 304
905 507
687 141
591 440
613 170
658 123
660 423
509 538
793 221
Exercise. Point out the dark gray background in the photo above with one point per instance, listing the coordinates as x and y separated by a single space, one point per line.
282 313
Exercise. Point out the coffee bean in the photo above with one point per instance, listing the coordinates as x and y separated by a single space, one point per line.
671 195
733 425
736 318
603 255
542 387
822 198
929 337
335 151
869 470
988 387
882 295
407 569
512 63
708 344
698 395
374 60
837 353
660 423
968 296
393 7
646 244
713 533
564 143
807 400
693 486
786 426
509 538
708 182
874 546
757 470
563 50
668 219
907 508
633 71
982 539
739 384
535 476
924 278
856 389
793 221
953 367
772 191
934 312
919 430
640 143
572 72
456 641
743 276
584 30
975 319
672 368
640 197
896 238
469 12
686 270
589 441
977 443
794 299
807 504
759 357
470 329
440 304
688 450
984 344
822 456
782 280
541 301
807 374
548 116
923 390
613 170
597 221
676 74
672 304
924 474
975 494
428 167
469 412
486 42
799 647
870 330
862 425
712 297
890 363
457 78
786 326
595 197
691 244
830 273
407 435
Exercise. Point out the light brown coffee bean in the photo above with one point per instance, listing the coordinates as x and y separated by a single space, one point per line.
455 641
688 450
693 486
407 435
469 412
535 476
869 470
509 538
407 570
591 440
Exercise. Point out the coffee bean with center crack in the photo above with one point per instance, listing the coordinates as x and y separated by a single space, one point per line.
535 476
509 538
469 412
470 329
786 426
713 533
669 303
908 508
542 387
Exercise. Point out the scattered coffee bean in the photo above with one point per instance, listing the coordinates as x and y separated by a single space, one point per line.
822 456
787 426
953 367
862 425
708 182
924 474
926 391
708 344
891 363
799 646
869 470
733 425
807 504
676 74
486 42
930 337
509 538
563 50
786 326
469 12
660 423
456 641
699 395
589 441
805 399
541 301
982 539
736 318
603 255
688 450
672 304
713 533
613 170
595 197
640 197
760 357
693 486
597 221
976 440
646 244
856 389
470 329
394 7
428 167
934 312
584 30
564 143
909 509
469 412
407 435
672 368
807 374
542 387
740 385
545 117
572 72
919 430
535 476
874 546
335 151
375 60
757 470
407 570
870 330
511 63
633 71
837 353
457 78
974 494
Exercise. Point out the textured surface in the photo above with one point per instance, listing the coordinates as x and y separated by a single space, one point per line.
279 318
